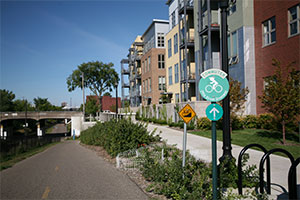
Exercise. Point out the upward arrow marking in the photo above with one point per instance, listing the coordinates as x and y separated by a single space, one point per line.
214 110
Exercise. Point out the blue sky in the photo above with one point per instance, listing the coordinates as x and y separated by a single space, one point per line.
42 42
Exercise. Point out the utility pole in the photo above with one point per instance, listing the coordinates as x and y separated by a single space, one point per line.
83 96
226 116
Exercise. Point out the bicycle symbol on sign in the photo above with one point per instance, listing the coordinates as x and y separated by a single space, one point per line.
215 86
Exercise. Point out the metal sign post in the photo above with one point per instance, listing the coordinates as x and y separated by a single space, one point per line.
186 114
213 86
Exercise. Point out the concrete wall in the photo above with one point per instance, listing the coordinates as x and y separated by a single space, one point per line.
198 106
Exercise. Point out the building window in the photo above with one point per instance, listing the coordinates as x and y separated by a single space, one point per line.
233 48
269 31
149 63
143 86
161 61
146 85
143 67
175 43
176 97
160 40
294 20
232 7
146 65
176 73
149 84
173 19
161 83
169 48
170 76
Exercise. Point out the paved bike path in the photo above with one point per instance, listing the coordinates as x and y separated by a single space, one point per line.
67 171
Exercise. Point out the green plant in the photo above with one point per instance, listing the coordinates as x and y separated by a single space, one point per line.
118 136
267 121
250 121
203 123
236 122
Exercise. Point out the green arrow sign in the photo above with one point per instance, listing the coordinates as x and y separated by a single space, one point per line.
214 112
213 86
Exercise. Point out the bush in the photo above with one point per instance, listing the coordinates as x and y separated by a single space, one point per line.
236 123
203 123
118 136
251 121
267 121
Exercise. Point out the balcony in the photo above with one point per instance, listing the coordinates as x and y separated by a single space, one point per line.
125 85
191 72
190 38
125 71
189 7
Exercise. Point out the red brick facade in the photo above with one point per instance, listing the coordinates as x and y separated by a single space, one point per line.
107 101
286 49
153 73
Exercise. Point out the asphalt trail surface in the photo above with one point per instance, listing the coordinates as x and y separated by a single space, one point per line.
67 171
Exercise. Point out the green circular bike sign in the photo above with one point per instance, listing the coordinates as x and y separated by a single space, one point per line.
213 85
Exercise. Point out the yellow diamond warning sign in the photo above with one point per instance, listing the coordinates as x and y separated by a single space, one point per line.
187 113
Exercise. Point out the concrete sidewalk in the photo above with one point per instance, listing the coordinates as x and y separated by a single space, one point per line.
200 148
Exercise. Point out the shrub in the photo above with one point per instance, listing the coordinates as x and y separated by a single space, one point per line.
236 123
118 136
203 123
267 121
251 121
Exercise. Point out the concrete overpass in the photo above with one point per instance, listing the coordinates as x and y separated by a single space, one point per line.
39 115
75 117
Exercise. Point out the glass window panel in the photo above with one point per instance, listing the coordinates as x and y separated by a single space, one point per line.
293 13
273 24
273 36
266 27
234 43
229 46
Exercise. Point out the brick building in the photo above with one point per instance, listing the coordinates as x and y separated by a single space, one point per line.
107 102
277 35
153 62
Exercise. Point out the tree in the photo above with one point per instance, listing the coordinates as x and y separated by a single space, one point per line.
6 100
281 94
91 107
98 77
237 96
42 104
22 105
107 94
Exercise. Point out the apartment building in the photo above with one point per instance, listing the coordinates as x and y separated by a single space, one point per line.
135 73
241 57
172 54
277 36
153 71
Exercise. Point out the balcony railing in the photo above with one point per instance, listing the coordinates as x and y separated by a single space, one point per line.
190 69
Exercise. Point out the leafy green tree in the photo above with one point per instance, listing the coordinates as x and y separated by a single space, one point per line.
42 104
281 94
22 105
98 77
6 100
237 96
91 107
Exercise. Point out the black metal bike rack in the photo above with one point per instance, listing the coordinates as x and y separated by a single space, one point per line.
292 180
261 166
240 181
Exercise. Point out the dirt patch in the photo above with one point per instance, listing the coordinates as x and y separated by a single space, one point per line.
134 174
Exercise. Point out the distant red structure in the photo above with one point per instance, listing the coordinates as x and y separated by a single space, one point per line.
107 102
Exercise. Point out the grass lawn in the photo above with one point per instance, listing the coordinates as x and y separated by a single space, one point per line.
268 139
10 161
